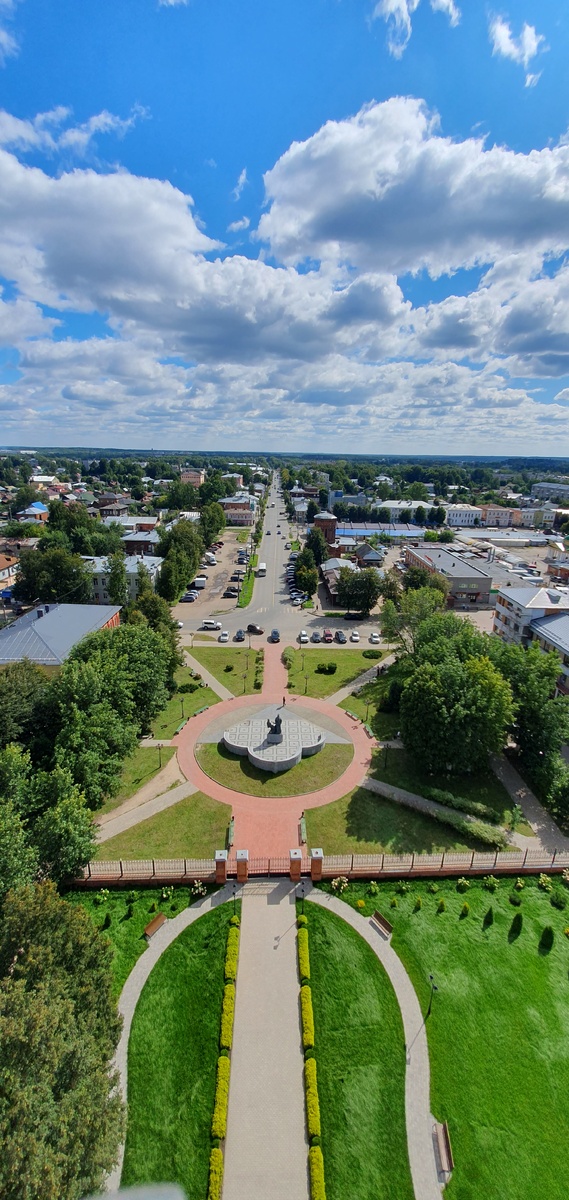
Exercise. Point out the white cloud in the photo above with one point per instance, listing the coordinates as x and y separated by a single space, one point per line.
170 3
8 45
397 15
237 190
520 50
43 132
448 7
236 226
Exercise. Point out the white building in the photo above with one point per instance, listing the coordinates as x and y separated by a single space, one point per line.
100 568
461 515
518 608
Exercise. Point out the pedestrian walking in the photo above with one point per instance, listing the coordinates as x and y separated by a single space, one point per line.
284 701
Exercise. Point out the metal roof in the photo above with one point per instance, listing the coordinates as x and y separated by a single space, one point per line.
554 629
49 639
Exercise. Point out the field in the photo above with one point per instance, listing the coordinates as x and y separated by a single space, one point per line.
240 775
365 823
360 1058
195 827
240 678
498 1033
349 664
139 768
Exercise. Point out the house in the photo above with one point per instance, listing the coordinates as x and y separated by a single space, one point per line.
470 586
192 475
239 509
517 608
367 556
115 509
8 568
331 574
461 515
48 633
36 512
43 481
141 543
100 568
236 477
552 633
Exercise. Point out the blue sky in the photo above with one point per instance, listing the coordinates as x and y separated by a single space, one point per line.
336 225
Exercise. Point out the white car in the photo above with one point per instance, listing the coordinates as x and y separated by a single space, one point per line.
303 637
224 636
374 639
180 624
354 636
296 602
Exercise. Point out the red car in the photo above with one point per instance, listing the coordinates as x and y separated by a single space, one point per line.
327 636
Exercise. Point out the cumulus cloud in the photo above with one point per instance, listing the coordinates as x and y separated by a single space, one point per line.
43 132
237 190
236 226
397 15
520 49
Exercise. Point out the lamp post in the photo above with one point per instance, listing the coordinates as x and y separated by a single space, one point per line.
159 758
244 682
182 703
302 668
368 702
434 989
305 684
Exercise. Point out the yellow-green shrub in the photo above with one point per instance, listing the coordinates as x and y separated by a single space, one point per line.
219 1119
231 954
215 1174
312 1103
316 1164
303 954
307 1017
227 1014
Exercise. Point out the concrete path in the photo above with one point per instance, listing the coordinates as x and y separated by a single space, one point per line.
418 1117
212 682
124 818
367 677
548 835
130 994
266 1151
157 786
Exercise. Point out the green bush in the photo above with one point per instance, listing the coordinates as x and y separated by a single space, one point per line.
231 955
228 667
432 888
464 910
474 807
287 657
316 1165
152 907
515 927
107 921
219 1119
515 899
329 668
394 902
303 955
441 906
490 883
558 899
187 688
227 1014
301 920
418 904
462 884
373 889
371 653
546 940
488 834
403 887
307 1017
312 1104
488 918
215 1174
544 882
235 920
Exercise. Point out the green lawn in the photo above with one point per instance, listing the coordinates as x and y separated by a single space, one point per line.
350 663
360 1057
241 660
126 934
246 593
240 775
365 823
384 724
398 768
195 827
498 1032
181 705
243 536
139 768
172 1058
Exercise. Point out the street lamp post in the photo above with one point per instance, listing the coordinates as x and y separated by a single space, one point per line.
182 703
305 684
244 681
434 989
368 702
160 758
302 897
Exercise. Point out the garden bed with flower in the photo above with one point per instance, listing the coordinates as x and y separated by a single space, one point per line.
498 955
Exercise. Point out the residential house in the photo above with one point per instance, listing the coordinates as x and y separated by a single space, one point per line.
239 509
192 475
470 586
8 570
331 574
462 515
48 633
36 512
552 633
368 556
140 543
101 568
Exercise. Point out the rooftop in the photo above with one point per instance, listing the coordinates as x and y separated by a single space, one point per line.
538 597
47 634
449 564
555 629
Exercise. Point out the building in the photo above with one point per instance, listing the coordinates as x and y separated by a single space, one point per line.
517 608
48 633
470 586
461 515
43 481
116 509
552 633
331 574
501 518
550 491
239 509
141 543
100 568
193 475
36 512
368 556
328 523
8 569
236 477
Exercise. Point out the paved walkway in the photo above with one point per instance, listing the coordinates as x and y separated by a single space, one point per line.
157 786
212 682
547 834
130 994
124 818
418 1117
266 1151
367 677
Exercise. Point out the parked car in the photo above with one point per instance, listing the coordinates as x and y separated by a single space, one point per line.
303 637
296 602
236 576
275 635
254 629
352 616
224 636
267 531
180 624
240 636
287 545
374 639
341 637
316 636
354 636
327 636
230 594
188 596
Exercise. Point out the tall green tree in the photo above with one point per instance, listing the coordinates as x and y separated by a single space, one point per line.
359 590
22 691
401 627
316 542
53 575
18 861
117 580
212 522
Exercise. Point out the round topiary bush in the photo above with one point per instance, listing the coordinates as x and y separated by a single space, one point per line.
374 654
546 940
464 910
441 906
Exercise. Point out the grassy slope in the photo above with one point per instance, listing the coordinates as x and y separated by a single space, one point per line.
139 768
350 663
498 1034
310 775
195 827
217 658
383 724
364 823
172 1058
361 1066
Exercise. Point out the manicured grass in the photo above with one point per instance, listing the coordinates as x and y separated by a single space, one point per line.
139 768
498 1043
238 773
397 767
195 827
172 1058
350 663
166 723
126 934
360 1057
242 661
246 593
384 724
364 823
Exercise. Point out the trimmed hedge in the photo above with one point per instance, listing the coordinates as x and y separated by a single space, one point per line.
316 1164
215 1174
231 954
287 657
312 1102
489 834
303 955
219 1119
474 807
307 1017
227 1014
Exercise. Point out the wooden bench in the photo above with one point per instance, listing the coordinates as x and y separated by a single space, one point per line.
156 924
444 1147
383 923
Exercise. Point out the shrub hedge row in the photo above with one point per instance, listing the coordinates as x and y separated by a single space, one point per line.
316 1164
215 1174
231 954
307 1017
227 1014
312 1102
489 834
303 955
474 807
219 1119
288 657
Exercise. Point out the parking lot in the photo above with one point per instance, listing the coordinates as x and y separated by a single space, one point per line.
210 599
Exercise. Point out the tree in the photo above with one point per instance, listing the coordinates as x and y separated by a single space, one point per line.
183 536
117 580
311 510
420 515
402 628
316 542
307 579
61 1119
143 580
391 587
22 690
384 516
52 575
420 577
446 535
405 516
359 590
417 491
212 521
64 836
18 861
454 714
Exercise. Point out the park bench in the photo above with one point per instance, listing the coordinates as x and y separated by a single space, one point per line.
230 833
444 1147
154 925
383 923
302 831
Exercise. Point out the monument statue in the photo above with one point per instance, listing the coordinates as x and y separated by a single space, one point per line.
277 728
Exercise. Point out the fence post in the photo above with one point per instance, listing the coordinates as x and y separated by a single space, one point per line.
412 860
382 862
316 863
153 867
185 866
442 866
89 869
120 865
